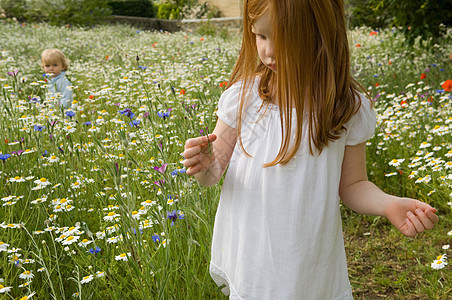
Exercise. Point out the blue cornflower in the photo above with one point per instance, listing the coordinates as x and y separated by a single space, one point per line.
156 238
172 215
5 156
38 127
135 231
135 123
70 113
163 115
94 251
142 67
45 153
175 172
127 112
87 123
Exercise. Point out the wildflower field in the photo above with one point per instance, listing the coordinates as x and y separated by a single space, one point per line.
95 203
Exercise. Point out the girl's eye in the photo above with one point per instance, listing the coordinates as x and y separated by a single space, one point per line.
262 37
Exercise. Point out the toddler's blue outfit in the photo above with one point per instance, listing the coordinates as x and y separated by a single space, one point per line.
60 84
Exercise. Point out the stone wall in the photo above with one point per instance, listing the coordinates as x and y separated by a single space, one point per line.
228 8
233 25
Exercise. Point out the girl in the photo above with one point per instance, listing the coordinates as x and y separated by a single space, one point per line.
292 130
54 62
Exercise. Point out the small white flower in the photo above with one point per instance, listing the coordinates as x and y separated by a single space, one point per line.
438 264
111 216
100 274
3 246
123 256
396 162
27 275
70 239
87 279
84 243
53 159
43 182
5 289
445 247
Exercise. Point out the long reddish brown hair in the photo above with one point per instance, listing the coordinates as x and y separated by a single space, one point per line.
313 70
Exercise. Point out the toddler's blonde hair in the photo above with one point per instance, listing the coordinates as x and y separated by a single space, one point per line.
52 56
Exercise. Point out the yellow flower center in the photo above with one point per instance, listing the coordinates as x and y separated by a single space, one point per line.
111 214
43 179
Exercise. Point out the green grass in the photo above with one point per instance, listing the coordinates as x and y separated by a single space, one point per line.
108 166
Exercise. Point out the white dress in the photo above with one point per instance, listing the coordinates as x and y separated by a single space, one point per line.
278 232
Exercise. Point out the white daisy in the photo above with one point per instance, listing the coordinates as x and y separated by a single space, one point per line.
86 279
123 256
27 275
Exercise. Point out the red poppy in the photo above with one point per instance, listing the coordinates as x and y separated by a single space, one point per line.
373 33
154 45
389 62
223 84
403 102
202 39
182 92
377 84
423 75
6 141
447 85
358 45
91 96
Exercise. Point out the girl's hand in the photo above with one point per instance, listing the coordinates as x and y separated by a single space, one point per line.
411 216
198 154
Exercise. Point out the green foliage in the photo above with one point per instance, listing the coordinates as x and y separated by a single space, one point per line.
417 17
362 14
186 9
58 12
169 11
136 8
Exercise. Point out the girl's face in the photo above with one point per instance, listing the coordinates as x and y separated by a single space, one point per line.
263 30
54 68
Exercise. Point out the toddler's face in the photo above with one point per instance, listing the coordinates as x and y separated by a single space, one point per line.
54 69
263 30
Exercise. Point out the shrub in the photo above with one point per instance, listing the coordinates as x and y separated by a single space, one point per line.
186 9
169 11
58 12
135 8
417 17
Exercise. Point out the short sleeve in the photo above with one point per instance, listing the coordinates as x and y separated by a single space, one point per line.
361 127
228 104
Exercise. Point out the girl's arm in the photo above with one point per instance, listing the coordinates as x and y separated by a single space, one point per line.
409 216
208 162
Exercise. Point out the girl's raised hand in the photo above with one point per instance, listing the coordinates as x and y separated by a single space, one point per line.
411 216
198 154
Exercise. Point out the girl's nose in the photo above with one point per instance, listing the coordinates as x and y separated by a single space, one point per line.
269 49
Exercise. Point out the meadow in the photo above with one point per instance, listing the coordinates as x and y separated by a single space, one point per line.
95 203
